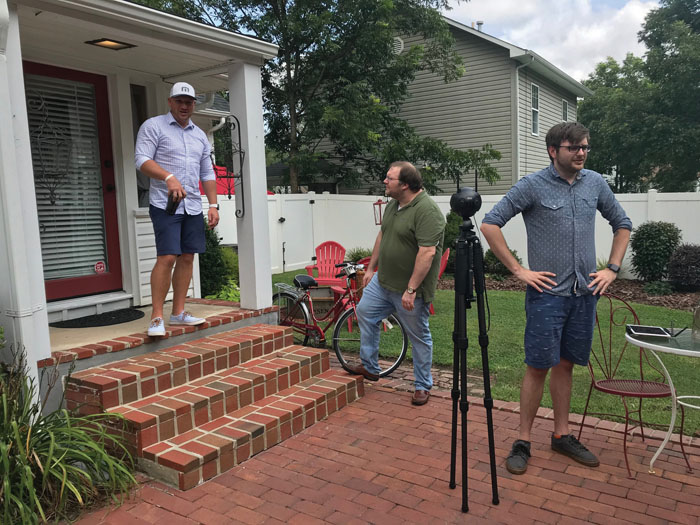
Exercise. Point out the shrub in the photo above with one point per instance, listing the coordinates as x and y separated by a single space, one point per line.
454 221
211 278
230 292
355 254
492 265
684 267
52 465
230 257
652 244
658 288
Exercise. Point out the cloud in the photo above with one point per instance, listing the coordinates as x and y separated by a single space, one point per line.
574 35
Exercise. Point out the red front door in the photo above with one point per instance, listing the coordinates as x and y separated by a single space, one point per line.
74 180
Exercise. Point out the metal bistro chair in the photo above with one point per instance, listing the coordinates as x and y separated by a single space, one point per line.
328 254
620 371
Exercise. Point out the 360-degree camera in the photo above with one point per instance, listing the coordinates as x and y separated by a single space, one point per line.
466 202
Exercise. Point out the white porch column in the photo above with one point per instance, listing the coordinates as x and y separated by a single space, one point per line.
22 296
245 92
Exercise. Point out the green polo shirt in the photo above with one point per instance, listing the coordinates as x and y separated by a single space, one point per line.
419 223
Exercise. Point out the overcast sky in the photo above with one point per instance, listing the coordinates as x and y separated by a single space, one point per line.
574 35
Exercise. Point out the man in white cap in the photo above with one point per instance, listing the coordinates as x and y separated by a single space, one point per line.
175 154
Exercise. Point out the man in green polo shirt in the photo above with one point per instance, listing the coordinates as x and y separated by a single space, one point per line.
402 275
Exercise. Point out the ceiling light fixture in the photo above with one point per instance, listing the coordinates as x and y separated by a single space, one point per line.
110 44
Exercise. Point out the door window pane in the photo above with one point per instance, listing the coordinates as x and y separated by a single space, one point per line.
67 176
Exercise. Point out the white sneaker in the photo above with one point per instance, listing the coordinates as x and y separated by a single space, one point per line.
186 318
157 328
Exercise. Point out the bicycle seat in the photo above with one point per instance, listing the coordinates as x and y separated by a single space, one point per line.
304 281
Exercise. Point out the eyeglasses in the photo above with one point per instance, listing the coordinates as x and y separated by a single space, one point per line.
574 149
391 178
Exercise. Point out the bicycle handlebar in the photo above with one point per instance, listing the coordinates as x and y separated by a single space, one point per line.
349 269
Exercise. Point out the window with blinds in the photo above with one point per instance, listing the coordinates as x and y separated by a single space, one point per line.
67 176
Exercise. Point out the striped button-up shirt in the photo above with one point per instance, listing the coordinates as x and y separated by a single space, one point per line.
560 222
184 152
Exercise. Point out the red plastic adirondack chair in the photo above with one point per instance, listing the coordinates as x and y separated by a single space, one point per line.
443 265
328 254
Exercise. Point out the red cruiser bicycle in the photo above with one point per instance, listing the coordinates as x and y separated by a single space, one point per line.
296 309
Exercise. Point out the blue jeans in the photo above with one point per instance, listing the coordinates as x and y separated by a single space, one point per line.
378 303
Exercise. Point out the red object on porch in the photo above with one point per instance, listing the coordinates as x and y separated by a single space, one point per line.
328 254
223 183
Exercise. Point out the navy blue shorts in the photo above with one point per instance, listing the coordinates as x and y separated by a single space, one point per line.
558 327
179 233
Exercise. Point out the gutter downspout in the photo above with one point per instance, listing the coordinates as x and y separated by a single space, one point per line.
4 28
517 115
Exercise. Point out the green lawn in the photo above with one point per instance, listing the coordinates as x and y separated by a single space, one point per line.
505 353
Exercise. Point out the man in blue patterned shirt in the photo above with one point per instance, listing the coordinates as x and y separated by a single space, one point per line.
175 154
559 206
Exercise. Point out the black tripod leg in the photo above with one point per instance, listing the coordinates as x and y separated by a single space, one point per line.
455 397
464 408
484 344
459 341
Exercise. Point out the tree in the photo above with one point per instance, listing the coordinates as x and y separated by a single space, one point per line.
644 116
672 34
332 94
621 123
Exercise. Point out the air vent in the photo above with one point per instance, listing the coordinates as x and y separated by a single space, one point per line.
397 47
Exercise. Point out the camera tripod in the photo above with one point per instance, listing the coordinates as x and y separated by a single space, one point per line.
469 276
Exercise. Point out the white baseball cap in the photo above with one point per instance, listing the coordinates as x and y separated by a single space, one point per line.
182 89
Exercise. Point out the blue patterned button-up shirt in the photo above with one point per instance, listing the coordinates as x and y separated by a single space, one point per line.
560 222
184 152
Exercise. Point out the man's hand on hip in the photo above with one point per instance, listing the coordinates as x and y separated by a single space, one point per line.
408 300
601 280
537 280
212 217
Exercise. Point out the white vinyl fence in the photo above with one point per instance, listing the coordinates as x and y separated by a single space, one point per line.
300 222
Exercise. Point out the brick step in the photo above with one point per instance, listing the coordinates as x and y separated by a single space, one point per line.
178 410
99 388
197 455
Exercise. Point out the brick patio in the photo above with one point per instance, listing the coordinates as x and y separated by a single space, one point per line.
381 460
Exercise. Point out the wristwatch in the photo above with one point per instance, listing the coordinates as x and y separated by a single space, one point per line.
214 206
614 267
410 290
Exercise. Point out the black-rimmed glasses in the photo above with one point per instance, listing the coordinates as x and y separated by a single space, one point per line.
574 149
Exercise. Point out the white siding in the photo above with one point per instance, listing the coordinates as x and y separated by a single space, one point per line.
533 150
146 246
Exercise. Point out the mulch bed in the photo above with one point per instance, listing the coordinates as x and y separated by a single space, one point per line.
627 289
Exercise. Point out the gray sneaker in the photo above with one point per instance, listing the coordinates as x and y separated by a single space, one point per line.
186 319
516 463
572 447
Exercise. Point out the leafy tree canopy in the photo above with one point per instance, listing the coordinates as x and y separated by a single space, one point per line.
644 116
332 94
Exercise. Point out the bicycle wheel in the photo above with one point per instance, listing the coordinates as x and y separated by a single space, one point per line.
393 342
293 313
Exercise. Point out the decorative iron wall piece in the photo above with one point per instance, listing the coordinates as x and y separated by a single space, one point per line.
51 145
232 174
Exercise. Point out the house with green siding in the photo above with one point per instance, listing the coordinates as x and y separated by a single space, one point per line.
508 97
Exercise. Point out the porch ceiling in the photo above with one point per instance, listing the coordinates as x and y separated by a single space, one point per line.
55 31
